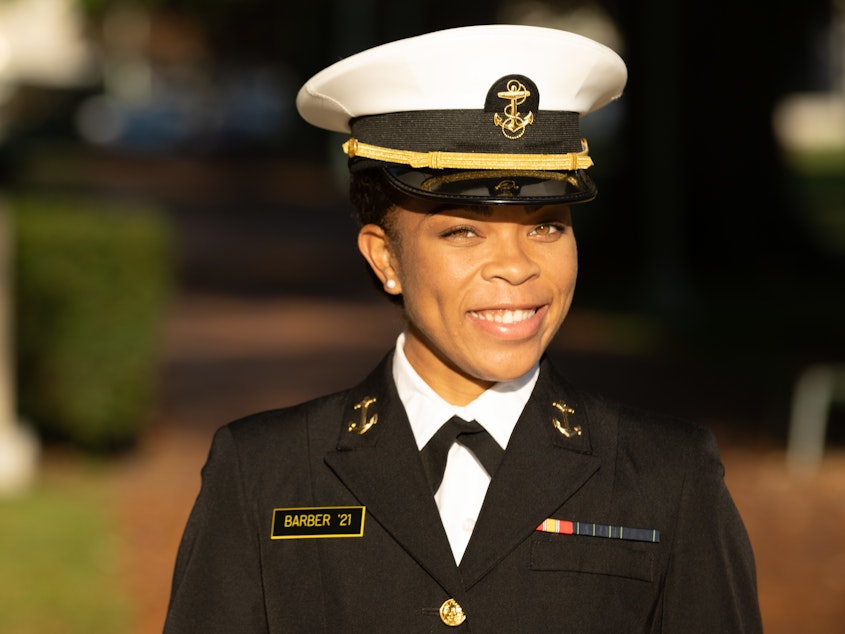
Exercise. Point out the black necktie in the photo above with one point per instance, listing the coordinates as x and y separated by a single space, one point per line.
468 433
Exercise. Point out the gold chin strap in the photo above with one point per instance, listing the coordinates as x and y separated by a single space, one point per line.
469 160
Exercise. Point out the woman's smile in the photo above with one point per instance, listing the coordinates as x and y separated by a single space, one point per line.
509 323
485 289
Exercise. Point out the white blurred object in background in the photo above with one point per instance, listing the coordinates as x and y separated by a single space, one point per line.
42 43
19 447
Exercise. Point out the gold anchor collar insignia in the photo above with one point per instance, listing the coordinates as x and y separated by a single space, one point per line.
563 424
366 421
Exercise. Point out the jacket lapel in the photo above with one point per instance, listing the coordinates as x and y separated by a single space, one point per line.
541 469
383 469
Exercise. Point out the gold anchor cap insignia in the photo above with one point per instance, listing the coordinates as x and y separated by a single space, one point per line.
507 187
564 427
364 425
513 124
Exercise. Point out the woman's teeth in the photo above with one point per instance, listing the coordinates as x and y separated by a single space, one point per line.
504 316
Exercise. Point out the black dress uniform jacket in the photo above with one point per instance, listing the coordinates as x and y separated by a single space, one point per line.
626 468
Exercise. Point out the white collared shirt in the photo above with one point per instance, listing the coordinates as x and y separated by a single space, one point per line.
465 481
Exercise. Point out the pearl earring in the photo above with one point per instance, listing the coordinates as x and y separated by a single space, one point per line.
390 284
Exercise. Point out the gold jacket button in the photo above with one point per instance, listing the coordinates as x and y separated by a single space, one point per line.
451 613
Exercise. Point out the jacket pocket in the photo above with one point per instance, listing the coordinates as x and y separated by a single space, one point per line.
593 555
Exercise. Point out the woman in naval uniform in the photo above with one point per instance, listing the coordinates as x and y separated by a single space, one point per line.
464 483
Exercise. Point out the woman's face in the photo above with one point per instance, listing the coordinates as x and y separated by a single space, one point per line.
484 288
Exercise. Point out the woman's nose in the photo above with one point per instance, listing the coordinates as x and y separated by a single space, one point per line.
511 261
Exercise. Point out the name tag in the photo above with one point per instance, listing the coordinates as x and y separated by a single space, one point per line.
311 522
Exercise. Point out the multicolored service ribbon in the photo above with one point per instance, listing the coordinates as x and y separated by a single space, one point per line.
567 527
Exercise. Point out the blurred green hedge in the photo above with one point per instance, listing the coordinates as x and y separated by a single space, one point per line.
92 281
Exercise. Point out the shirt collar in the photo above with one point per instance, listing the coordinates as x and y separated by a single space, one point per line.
496 409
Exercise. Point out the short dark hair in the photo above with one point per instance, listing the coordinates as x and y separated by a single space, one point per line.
371 197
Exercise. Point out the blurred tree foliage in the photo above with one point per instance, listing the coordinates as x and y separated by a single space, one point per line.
92 282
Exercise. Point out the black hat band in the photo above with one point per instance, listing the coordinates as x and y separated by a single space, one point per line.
552 132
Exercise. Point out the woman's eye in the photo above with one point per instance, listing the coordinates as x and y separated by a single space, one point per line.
459 233
547 229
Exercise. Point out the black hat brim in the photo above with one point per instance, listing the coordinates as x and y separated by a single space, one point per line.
492 187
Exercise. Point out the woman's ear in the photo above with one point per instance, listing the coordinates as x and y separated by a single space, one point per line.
374 245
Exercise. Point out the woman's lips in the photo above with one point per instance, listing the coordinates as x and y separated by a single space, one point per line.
504 316
511 323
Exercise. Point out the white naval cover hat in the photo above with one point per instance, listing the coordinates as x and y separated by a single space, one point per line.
477 115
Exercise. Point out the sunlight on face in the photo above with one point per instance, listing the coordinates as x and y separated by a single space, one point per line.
485 290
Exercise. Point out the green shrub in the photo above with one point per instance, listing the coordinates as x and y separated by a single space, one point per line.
91 283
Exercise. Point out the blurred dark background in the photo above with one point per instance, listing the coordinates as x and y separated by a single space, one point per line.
717 229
